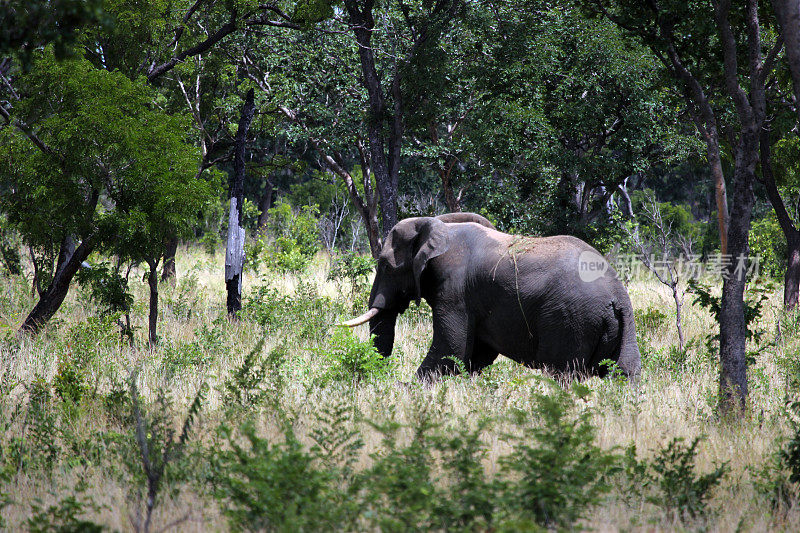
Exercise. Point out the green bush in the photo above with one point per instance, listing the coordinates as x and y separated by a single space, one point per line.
471 496
682 492
107 287
401 492
70 386
291 240
280 486
66 515
769 244
256 380
266 306
649 320
351 359
208 344
778 478
305 314
10 259
555 471
353 270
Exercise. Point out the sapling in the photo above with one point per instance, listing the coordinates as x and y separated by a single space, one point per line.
672 249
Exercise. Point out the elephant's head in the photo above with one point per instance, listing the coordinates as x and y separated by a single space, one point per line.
408 248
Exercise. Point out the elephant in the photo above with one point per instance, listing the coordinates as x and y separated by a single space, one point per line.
544 302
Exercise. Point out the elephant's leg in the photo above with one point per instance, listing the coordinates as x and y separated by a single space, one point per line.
452 338
482 356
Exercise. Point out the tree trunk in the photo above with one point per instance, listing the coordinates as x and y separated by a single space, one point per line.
152 321
732 325
386 169
720 192
169 273
791 287
264 205
366 206
56 292
678 322
750 104
452 201
788 14
234 256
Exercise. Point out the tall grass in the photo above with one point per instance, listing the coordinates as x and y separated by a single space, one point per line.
407 457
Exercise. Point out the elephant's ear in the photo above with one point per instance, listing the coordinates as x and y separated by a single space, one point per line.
432 241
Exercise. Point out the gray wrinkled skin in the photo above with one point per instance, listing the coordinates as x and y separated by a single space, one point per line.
535 300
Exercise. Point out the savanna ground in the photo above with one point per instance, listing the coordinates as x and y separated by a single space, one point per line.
308 431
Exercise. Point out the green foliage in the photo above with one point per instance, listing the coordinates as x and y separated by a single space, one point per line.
313 11
207 346
683 492
768 243
678 218
778 478
649 320
31 24
245 387
560 472
69 383
158 450
403 494
757 294
9 249
351 359
38 447
468 502
353 269
108 288
275 486
290 242
65 516
305 313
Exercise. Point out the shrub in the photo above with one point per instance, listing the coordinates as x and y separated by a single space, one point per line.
200 352
294 239
275 487
683 492
153 463
556 471
305 313
9 249
107 288
769 244
401 492
778 478
66 515
354 270
70 386
245 387
756 296
350 358
469 504
649 320
87 346
266 306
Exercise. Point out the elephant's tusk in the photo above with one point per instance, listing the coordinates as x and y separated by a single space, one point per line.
361 319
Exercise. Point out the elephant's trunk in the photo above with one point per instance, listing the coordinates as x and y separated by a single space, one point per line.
382 326
361 319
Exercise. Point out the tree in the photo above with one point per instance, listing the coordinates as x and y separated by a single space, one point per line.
103 168
710 50
30 24
234 257
787 13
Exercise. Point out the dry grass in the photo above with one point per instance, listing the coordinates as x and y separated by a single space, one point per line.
667 403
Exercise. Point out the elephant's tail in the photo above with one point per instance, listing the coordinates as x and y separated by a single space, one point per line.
628 357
